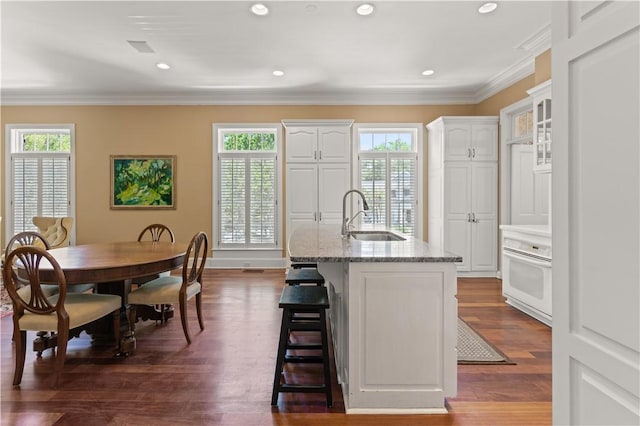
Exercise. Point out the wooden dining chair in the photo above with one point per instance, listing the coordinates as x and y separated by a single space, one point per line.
155 232
176 290
59 313
29 238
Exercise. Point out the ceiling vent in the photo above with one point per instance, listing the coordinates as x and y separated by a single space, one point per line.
141 46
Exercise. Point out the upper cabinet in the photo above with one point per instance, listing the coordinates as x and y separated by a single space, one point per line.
541 95
469 138
322 141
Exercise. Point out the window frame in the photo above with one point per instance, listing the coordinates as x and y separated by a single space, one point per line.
12 131
218 132
416 153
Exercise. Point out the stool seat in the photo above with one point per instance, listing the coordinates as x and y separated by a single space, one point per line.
300 265
296 299
299 298
304 276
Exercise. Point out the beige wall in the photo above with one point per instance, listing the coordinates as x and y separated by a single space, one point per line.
186 131
508 96
543 67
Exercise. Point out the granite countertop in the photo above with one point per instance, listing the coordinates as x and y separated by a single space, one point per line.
323 243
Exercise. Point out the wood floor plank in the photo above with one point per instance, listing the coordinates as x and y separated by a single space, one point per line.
225 376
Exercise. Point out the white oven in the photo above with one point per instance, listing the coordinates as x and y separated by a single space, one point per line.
526 269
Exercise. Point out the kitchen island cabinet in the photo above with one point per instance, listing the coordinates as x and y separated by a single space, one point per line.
393 318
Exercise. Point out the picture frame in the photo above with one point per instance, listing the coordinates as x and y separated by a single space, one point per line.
143 182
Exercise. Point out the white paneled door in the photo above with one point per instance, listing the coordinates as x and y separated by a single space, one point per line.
596 213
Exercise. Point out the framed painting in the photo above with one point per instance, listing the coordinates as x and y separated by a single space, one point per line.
143 182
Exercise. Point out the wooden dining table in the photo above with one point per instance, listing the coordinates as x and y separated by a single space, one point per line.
112 266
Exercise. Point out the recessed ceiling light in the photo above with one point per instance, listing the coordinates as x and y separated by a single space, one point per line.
163 66
259 9
428 72
487 7
278 73
365 9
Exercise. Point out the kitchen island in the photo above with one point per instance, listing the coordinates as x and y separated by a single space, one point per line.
393 318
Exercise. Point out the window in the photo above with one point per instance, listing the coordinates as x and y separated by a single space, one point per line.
247 186
39 173
388 173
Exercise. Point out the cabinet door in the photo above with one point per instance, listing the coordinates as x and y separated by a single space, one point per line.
484 142
457 142
333 182
542 133
334 144
484 207
302 144
529 190
302 195
457 210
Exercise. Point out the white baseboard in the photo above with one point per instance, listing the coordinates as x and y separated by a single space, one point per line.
477 274
246 260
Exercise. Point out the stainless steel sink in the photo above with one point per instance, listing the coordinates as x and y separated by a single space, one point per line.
376 236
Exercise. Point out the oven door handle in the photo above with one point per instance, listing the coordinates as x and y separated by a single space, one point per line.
529 259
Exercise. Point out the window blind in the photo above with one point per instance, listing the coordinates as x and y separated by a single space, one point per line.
247 200
40 188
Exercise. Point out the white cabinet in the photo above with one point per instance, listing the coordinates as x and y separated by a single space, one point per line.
463 190
378 307
469 141
541 95
318 170
326 144
314 192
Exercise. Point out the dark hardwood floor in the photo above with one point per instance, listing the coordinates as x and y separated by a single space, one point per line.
225 376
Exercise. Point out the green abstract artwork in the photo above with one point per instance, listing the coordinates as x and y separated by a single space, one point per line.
143 182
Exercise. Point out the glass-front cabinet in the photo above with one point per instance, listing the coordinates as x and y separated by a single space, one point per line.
542 136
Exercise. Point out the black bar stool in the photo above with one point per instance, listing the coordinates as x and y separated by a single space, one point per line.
303 299
299 265
304 275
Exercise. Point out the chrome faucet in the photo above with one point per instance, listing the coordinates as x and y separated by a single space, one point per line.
345 218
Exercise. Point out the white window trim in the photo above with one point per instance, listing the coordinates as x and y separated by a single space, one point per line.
247 257
418 152
10 147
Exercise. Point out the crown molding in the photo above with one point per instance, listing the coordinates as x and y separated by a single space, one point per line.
538 42
534 45
506 78
293 122
248 97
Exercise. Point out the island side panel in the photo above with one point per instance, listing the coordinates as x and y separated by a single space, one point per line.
402 336
335 281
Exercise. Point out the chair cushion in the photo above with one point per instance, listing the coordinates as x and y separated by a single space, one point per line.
57 230
81 307
163 290
55 233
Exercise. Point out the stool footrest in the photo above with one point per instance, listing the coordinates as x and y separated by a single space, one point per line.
298 326
303 346
303 359
303 388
